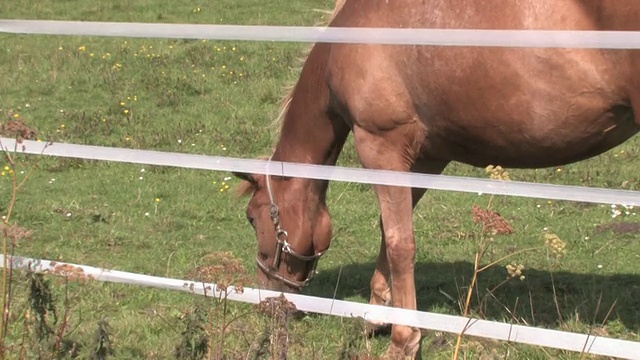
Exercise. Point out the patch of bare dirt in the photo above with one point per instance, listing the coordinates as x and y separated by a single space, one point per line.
624 227
17 129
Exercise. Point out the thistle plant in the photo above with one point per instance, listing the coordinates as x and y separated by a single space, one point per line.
493 224
11 233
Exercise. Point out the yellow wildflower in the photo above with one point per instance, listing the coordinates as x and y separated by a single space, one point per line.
556 246
497 173
514 270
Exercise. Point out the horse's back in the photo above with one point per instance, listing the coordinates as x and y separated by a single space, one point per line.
509 102
490 14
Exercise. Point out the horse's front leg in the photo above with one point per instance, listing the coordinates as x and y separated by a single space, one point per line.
396 208
380 284
397 226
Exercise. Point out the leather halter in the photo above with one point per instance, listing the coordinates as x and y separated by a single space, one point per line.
283 246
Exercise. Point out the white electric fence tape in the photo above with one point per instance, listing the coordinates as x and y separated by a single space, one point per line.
336 173
440 37
430 321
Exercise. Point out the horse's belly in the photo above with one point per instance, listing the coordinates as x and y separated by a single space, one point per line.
526 108
528 142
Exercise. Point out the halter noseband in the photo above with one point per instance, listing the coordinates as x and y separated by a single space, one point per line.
283 246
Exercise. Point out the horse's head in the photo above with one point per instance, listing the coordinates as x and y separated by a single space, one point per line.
292 225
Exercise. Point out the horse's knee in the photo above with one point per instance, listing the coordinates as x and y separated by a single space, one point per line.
400 252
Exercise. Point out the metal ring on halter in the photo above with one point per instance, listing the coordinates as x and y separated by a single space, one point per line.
274 212
282 236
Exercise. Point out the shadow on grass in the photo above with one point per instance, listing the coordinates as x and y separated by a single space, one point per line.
586 297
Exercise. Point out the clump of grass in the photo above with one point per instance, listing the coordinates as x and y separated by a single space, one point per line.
53 321
355 343
42 304
228 274
206 327
102 347
194 340
280 311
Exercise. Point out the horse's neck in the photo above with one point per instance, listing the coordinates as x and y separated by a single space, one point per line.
309 134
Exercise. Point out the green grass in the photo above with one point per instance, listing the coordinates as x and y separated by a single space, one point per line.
219 98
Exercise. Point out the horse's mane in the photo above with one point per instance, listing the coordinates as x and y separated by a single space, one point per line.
247 187
286 99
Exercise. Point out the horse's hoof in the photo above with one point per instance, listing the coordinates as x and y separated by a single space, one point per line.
395 353
409 349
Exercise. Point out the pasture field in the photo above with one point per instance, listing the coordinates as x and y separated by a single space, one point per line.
220 98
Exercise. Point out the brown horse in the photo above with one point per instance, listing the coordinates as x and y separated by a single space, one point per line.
416 108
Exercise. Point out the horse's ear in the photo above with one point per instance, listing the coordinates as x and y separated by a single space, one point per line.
246 177
251 182
249 185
